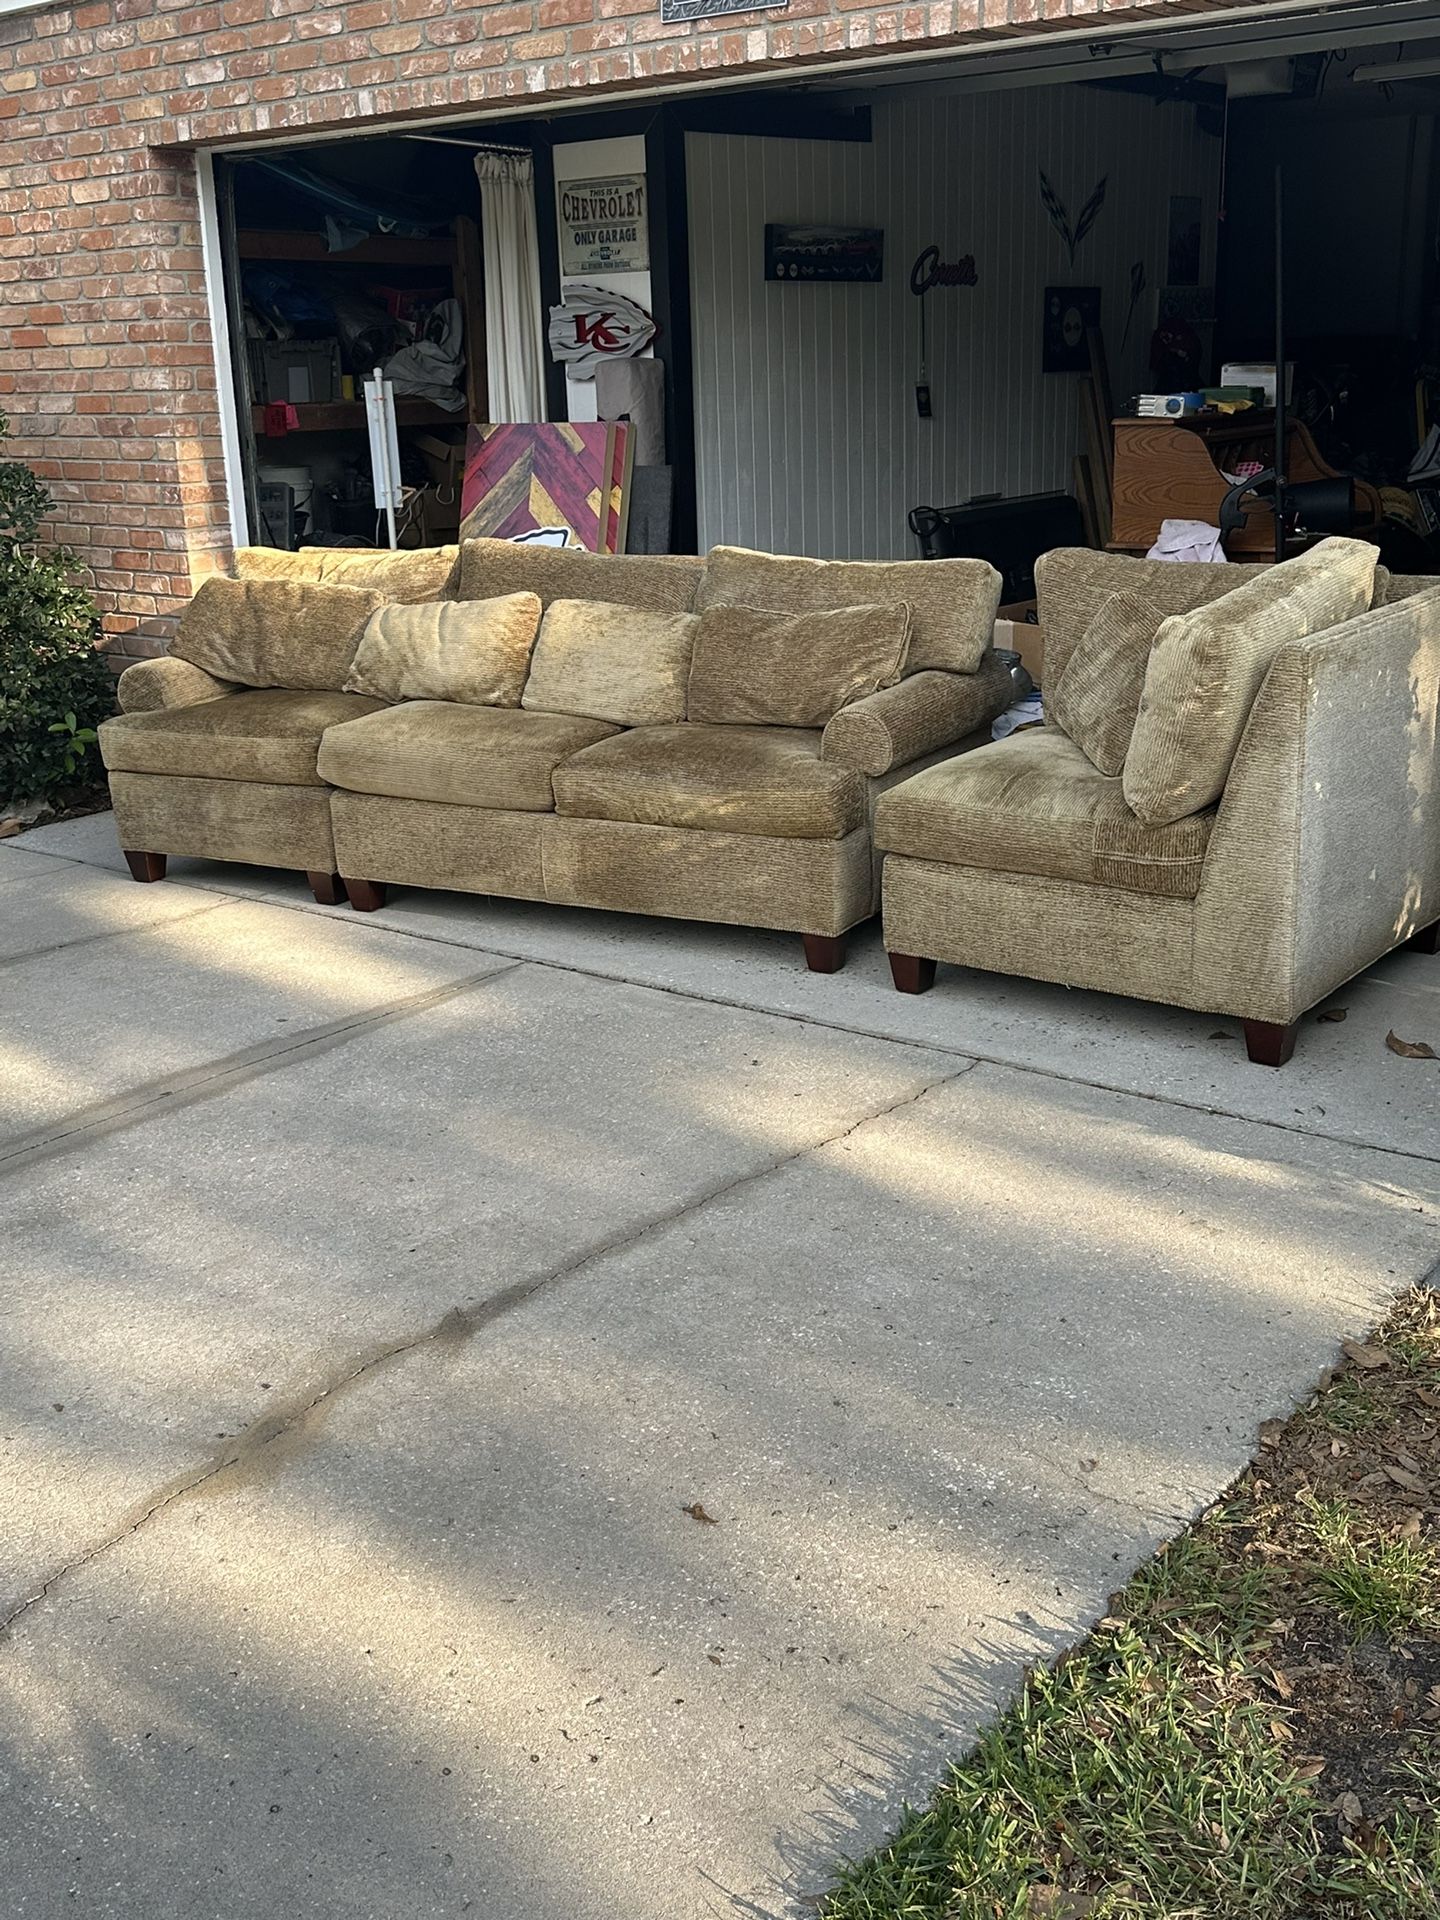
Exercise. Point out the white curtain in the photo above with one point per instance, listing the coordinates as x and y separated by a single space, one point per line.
514 334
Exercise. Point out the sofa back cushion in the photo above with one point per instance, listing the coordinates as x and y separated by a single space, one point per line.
628 665
660 583
476 652
755 668
1073 583
952 603
275 633
1097 695
418 573
1206 668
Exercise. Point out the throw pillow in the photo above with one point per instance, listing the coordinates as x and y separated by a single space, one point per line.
754 668
275 633
475 652
1206 668
627 665
1097 696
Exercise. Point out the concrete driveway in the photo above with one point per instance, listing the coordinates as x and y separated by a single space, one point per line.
553 1417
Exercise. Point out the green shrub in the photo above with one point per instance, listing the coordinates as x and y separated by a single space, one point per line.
55 688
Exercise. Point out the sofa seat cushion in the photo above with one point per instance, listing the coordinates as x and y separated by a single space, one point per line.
1035 804
768 780
264 733
464 756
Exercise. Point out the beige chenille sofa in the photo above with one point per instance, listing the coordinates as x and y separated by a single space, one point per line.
676 736
1252 817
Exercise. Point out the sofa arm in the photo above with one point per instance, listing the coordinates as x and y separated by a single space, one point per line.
917 716
1326 849
167 682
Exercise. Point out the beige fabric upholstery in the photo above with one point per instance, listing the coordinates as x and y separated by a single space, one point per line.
952 602
274 633
261 823
419 573
628 665
1390 587
754 668
918 716
736 780
461 755
474 651
1206 668
417 843
1324 853
167 682
661 583
1097 696
1073 583
746 879
265 734
1035 804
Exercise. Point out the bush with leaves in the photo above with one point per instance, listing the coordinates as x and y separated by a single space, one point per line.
55 688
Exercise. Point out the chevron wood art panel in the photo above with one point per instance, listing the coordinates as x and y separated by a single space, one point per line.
566 482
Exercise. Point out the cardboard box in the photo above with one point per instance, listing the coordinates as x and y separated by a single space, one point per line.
1025 639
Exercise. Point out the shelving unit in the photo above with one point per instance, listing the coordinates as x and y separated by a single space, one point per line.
343 416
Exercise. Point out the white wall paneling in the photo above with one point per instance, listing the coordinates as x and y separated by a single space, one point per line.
807 436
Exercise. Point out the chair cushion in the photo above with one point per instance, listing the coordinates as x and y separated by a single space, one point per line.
629 665
463 756
768 780
1034 804
661 583
275 633
952 602
476 651
754 668
1097 695
1206 668
267 734
412 573
1073 583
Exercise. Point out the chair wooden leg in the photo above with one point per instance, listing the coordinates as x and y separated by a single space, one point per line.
145 866
1427 940
328 888
911 973
824 952
365 895
1269 1044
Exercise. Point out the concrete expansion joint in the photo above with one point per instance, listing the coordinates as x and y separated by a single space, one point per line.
267 1444
113 933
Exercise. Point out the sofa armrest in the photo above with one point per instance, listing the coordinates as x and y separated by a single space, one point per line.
1326 849
916 716
166 682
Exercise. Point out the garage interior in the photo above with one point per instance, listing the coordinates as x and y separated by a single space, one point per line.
1098 222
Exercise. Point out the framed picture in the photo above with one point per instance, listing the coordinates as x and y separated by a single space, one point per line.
603 225
1070 312
847 255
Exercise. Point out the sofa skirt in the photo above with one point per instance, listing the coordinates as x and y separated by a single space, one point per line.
260 823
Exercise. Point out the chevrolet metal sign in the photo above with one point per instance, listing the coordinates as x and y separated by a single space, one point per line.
603 226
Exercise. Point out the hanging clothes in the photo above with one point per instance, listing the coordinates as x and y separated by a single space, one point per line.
514 334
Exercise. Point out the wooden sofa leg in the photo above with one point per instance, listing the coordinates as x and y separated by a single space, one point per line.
1427 940
328 888
145 866
911 973
365 895
1268 1043
824 952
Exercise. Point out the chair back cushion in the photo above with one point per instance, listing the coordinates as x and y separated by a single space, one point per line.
1097 695
627 665
1206 668
1073 583
411 573
952 603
660 583
275 633
476 652
754 668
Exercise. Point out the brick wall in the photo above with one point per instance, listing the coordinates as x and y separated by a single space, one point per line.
105 367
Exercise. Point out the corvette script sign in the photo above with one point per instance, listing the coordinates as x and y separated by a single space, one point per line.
591 325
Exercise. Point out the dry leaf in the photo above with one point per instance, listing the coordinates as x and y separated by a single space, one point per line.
1335 1014
1270 1432
1281 1683
1426 1397
1367 1358
1349 1808
1309 1766
8 828
1280 1731
697 1512
1409 1529
1409 1049
1409 1481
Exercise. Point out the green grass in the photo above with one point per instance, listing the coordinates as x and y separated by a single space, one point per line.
1380 1585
